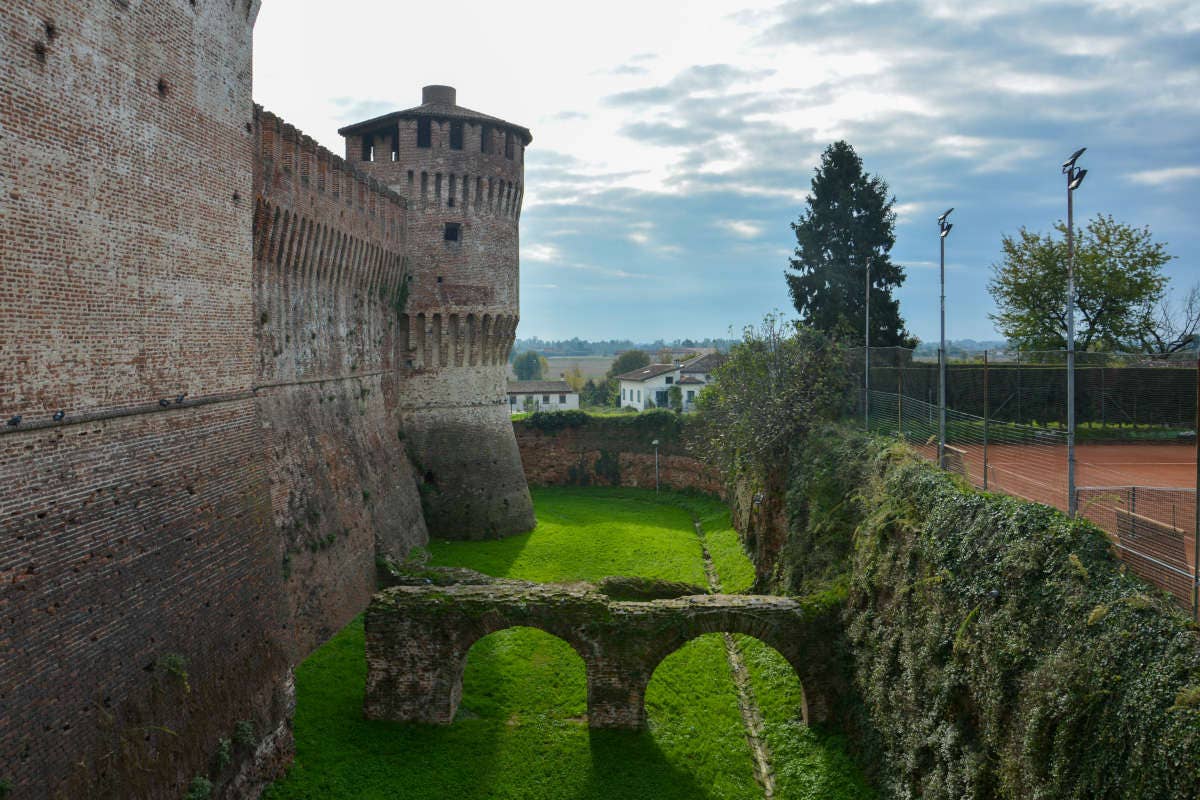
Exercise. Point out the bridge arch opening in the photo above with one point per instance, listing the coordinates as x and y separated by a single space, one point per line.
717 674
522 671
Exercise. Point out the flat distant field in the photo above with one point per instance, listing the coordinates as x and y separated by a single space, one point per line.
590 366
521 731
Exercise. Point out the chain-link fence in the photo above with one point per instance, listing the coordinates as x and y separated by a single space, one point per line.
1006 431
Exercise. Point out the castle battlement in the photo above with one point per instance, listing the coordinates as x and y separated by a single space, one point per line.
317 169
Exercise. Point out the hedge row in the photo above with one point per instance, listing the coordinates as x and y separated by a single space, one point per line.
658 423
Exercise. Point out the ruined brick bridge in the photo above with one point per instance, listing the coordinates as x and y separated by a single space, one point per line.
418 636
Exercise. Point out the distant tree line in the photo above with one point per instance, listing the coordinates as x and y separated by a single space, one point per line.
611 347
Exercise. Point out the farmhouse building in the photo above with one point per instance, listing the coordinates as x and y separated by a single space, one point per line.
650 386
541 396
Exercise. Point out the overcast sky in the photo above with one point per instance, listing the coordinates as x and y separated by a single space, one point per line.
673 142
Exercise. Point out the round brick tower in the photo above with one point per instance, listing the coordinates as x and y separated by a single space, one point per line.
462 173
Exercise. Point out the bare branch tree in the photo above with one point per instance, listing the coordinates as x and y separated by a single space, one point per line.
1172 325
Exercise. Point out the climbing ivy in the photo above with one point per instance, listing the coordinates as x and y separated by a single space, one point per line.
1002 652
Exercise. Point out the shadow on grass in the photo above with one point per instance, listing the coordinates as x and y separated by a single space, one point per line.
626 765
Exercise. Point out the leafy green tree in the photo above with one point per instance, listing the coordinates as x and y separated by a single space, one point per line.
574 378
675 398
849 223
529 366
1118 282
628 362
595 393
778 382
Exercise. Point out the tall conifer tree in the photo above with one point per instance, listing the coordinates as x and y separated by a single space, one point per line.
848 223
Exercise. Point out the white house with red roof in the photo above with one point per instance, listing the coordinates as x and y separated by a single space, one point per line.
650 386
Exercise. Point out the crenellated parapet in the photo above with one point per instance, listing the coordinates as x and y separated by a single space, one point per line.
289 157
329 252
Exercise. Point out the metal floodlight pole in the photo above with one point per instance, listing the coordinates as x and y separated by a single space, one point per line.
1074 177
986 410
867 352
943 231
1196 518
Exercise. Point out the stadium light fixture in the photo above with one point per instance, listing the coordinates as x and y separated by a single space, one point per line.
1075 176
1070 162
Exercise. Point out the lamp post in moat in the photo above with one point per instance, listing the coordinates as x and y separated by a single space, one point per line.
1075 176
655 443
943 231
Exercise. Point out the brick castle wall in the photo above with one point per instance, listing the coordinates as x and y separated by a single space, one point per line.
213 303
132 546
329 277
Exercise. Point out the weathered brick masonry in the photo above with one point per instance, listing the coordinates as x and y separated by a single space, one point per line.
328 276
213 304
462 173
611 452
138 541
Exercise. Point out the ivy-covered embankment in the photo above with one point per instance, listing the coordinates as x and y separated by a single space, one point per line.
999 649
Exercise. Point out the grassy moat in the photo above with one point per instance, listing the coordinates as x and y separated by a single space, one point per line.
521 730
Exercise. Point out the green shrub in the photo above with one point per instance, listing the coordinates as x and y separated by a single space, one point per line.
175 664
243 734
552 421
825 503
224 753
200 788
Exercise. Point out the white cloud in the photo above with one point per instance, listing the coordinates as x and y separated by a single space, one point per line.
612 272
742 228
907 211
1164 176
540 252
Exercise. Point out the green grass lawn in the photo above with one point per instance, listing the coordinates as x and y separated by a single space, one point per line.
521 732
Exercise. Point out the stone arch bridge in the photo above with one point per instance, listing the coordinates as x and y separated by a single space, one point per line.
418 635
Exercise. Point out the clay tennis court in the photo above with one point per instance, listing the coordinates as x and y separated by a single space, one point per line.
1142 494
1038 472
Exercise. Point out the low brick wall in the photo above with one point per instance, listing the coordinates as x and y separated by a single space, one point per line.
585 450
